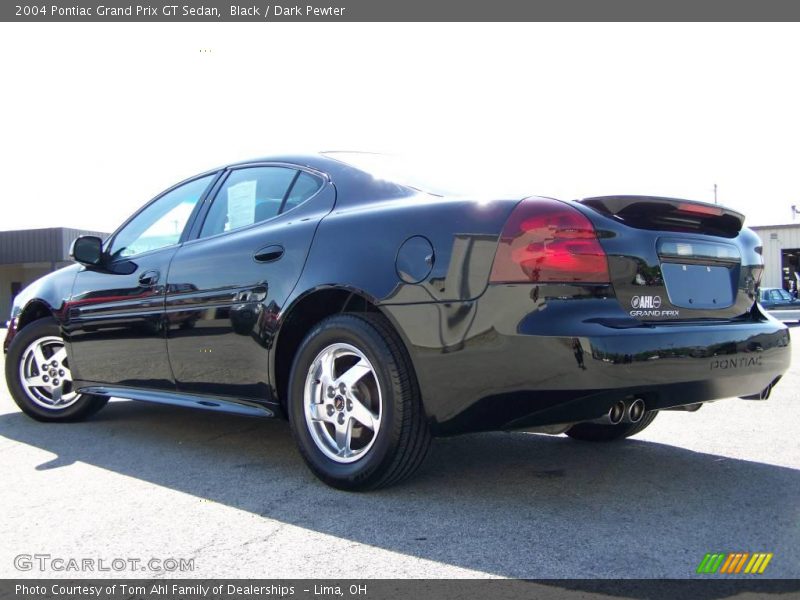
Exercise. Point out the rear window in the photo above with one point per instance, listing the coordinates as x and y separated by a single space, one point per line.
423 177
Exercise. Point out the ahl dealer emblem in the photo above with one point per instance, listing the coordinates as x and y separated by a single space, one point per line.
646 302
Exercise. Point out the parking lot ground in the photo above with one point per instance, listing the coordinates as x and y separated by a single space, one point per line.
144 481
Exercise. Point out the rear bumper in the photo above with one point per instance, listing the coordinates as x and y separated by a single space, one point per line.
480 367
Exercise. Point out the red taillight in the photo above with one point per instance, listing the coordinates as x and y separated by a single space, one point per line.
549 241
700 209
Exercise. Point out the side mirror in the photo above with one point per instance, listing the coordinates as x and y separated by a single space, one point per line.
87 250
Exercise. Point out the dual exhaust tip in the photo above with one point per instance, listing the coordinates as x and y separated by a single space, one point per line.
625 412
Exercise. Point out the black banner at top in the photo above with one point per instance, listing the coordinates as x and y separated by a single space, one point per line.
397 10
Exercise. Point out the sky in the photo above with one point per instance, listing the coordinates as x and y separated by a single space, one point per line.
95 119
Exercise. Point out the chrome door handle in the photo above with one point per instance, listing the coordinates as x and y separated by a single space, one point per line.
149 278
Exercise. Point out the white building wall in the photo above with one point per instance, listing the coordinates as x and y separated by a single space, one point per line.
774 239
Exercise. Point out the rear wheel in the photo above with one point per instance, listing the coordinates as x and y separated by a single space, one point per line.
39 377
596 432
354 404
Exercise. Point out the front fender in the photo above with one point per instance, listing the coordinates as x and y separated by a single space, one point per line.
47 295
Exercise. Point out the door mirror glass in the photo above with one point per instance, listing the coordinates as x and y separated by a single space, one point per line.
87 250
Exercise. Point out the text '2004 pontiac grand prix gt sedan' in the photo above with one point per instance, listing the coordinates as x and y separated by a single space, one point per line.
373 313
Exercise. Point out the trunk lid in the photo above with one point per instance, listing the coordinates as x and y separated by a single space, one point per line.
677 260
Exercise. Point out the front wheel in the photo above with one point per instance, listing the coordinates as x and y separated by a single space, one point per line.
39 378
354 404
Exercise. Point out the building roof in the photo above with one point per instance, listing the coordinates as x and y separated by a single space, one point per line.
39 245
782 226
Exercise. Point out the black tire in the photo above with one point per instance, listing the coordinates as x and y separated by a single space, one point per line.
403 437
596 432
83 407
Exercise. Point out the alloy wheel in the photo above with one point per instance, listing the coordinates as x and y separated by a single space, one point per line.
342 403
45 375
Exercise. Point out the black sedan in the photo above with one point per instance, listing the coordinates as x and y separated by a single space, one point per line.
374 312
780 304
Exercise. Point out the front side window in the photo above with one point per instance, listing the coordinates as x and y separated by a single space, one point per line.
248 196
161 223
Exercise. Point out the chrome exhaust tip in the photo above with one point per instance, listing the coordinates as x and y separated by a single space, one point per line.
616 413
635 411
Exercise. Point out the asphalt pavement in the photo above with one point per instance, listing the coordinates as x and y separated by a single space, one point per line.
231 497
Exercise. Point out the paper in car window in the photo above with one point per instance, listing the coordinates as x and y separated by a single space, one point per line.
241 204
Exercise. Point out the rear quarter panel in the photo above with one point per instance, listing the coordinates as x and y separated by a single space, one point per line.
356 246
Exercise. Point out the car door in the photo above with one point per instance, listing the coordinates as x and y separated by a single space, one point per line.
227 286
115 313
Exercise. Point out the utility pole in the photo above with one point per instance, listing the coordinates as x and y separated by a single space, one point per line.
715 194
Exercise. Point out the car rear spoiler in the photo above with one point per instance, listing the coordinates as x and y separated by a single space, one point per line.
669 214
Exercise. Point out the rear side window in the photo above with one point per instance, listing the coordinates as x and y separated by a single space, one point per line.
254 194
304 187
248 196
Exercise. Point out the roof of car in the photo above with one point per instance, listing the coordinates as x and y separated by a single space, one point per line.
316 160
353 184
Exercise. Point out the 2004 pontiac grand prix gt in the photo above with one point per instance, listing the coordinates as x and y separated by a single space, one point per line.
373 312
